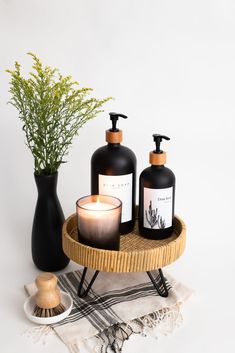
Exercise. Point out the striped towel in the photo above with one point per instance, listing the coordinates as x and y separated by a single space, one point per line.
117 306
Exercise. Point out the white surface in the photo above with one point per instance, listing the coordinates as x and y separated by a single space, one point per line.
171 67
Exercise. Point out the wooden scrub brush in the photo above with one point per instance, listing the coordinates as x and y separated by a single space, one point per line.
47 298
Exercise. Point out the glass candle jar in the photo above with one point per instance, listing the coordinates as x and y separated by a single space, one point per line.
99 219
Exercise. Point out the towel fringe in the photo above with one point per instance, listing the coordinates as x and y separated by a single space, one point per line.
39 333
111 340
161 322
74 348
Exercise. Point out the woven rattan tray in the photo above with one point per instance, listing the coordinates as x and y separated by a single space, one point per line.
136 253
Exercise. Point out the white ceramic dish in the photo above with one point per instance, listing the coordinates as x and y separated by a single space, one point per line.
29 305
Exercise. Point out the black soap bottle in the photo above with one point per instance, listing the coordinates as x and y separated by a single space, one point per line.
113 173
156 195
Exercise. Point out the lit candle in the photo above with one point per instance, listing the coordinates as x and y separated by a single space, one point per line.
98 221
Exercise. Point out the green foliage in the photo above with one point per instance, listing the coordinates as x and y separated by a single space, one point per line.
52 109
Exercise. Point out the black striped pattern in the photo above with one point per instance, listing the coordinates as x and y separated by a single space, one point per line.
97 309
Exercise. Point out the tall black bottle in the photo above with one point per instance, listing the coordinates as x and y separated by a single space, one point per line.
113 173
156 195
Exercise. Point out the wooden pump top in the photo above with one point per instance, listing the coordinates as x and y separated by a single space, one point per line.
114 137
157 158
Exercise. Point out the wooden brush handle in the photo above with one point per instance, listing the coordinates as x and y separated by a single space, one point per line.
48 295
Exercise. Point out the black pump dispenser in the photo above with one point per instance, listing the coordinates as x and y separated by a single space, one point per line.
114 118
157 138
113 172
156 195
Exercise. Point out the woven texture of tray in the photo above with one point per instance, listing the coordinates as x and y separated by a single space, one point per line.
136 253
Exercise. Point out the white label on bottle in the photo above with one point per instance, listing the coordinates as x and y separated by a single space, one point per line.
119 186
158 208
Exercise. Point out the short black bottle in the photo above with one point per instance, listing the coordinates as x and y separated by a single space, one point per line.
156 195
113 173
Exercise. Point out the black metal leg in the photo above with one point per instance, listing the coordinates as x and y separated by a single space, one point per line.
83 292
163 293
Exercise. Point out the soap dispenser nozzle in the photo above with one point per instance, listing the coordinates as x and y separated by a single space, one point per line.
114 118
158 139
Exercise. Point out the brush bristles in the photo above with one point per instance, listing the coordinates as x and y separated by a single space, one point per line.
40 312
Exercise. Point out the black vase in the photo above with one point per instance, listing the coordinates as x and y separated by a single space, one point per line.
48 220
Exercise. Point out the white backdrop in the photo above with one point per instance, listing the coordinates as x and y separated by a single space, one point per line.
171 67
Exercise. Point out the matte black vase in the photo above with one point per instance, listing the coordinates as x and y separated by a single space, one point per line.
48 220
